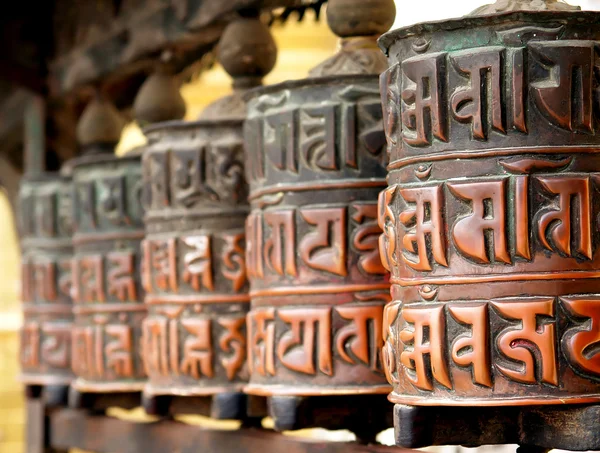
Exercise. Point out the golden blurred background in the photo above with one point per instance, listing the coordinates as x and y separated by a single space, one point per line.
301 46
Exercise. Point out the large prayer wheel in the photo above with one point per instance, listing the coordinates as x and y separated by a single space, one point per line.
46 233
108 229
490 219
316 163
194 267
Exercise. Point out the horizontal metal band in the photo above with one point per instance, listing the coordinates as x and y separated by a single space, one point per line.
315 390
48 309
318 185
517 277
152 299
411 400
85 238
84 386
180 390
317 289
45 379
108 308
494 152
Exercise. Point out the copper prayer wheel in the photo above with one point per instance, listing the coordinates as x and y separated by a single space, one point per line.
46 232
194 267
490 218
316 163
108 229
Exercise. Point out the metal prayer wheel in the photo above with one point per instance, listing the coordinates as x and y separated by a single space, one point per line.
490 225
46 230
316 163
194 267
107 291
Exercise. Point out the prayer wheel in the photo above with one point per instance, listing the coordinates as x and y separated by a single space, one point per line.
46 231
194 267
490 227
315 164
107 291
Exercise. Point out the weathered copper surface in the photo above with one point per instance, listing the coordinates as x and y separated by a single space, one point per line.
46 230
108 295
315 163
194 272
490 219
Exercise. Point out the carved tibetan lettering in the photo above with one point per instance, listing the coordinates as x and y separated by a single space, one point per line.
233 260
121 280
365 238
190 176
580 343
280 140
85 211
318 137
488 205
90 270
65 281
160 264
473 349
45 210
233 341
197 348
254 245
518 90
198 263
363 336
517 343
325 248
261 341
159 179
30 345
114 201
387 223
309 338
45 281
82 346
423 99
27 279
555 224
425 227
253 139
388 353
470 104
390 95
154 341
566 96
119 355
56 344
424 337
279 249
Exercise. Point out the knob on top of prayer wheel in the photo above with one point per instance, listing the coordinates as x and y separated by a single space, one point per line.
159 98
351 18
100 125
247 52
359 23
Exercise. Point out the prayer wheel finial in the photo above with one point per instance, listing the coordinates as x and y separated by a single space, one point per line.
504 6
159 98
247 52
100 126
359 23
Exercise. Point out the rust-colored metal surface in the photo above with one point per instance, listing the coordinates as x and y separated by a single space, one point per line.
194 253
318 286
194 270
108 295
315 164
46 231
491 216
